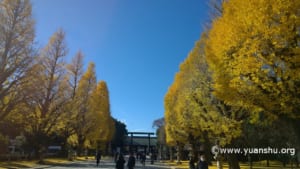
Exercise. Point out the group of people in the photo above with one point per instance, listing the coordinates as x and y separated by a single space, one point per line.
142 157
121 161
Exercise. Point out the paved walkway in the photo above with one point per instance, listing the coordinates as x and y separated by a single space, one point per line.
106 164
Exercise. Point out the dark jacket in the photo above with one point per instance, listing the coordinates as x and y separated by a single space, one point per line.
120 163
202 165
98 156
131 162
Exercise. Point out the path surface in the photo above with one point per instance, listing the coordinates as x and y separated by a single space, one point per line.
106 164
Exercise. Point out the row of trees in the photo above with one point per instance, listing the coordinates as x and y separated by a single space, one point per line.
239 85
43 96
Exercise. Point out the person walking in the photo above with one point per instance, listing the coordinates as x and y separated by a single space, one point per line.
98 158
120 162
131 161
143 159
202 164
116 157
191 163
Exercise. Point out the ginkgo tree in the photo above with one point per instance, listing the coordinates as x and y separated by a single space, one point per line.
174 135
74 74
193 115
84 120
16 51
45 93
91 122
105 129
255 57
42 96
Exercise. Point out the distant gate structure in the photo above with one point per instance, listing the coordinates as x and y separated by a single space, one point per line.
141 142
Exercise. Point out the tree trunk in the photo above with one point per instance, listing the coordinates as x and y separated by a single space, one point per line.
195 151
179 152
171 153
219 164
80 148
207 149
109 149
160 152
193 154
40 153
292 162
233 162
250 161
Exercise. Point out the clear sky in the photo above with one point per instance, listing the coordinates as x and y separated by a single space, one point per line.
137 46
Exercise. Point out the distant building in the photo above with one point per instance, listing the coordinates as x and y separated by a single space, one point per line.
141 142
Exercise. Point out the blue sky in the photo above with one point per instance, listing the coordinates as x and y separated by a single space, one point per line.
137 46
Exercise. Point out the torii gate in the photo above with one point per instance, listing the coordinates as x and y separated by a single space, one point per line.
140 133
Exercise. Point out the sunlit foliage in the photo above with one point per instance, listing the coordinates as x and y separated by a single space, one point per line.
105 125
16 51
192 113
253 50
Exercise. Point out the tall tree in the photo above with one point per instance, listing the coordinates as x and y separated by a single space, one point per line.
84 121
46 93
104 125
173 135
193 115
119 136
197 110
159 124
255 57
74 74
16 51
75 70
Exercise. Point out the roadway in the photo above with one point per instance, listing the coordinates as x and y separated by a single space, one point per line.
104 164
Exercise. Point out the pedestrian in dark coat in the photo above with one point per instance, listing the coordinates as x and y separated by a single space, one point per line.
191 163
116 157
143 159
98 158
202 164
120 162
131 161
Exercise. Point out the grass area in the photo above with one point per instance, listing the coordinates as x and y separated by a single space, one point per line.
56 161
256 165
17 164
92 158
32 163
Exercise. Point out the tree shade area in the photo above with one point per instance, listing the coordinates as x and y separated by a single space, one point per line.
239 86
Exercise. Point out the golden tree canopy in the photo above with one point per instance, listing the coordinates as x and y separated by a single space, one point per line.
253 50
